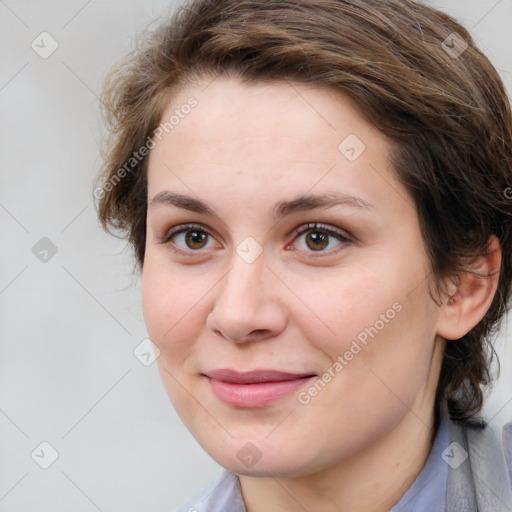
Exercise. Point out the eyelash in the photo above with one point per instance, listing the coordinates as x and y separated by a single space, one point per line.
314 226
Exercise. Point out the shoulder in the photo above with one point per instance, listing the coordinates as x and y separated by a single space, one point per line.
492 441
507 446
486 442
482 474
222 494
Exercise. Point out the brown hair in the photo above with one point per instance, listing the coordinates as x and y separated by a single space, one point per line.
443 105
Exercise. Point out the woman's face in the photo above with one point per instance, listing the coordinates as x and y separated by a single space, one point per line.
279 240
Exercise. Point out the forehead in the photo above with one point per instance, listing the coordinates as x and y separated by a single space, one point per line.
227 112
294 136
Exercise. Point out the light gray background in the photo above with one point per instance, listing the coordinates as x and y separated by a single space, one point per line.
69 326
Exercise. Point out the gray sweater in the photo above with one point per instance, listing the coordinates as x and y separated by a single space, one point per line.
483 482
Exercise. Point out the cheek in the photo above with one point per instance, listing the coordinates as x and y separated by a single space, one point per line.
172 311
339 307
173 307
380 334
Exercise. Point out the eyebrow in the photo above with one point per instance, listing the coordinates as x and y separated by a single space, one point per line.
280 210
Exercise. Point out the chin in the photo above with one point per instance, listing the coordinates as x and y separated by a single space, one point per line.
248 458
277 469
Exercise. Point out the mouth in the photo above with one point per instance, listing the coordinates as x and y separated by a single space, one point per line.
256 388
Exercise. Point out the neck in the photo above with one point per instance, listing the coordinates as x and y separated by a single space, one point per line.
371 481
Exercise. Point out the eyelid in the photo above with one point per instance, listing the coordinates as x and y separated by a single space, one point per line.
339 233
180 228
183 228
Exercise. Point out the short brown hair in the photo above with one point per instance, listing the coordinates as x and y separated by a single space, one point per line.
408 70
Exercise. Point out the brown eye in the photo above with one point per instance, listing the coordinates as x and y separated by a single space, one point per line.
189 238
317 240
196 239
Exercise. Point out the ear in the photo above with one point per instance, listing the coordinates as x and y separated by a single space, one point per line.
472 296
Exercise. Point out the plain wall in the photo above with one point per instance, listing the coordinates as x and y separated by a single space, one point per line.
69 325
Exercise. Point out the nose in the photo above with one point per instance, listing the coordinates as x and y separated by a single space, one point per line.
247 305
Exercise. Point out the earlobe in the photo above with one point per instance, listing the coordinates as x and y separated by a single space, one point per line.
472 296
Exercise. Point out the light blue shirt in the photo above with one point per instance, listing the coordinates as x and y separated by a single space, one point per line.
426 494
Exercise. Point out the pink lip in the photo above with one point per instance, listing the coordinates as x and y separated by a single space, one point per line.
256 388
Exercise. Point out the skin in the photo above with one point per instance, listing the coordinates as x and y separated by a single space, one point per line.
362 440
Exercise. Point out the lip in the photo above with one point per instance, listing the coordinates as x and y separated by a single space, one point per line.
256 388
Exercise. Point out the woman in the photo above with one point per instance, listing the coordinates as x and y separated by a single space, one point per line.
316 194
